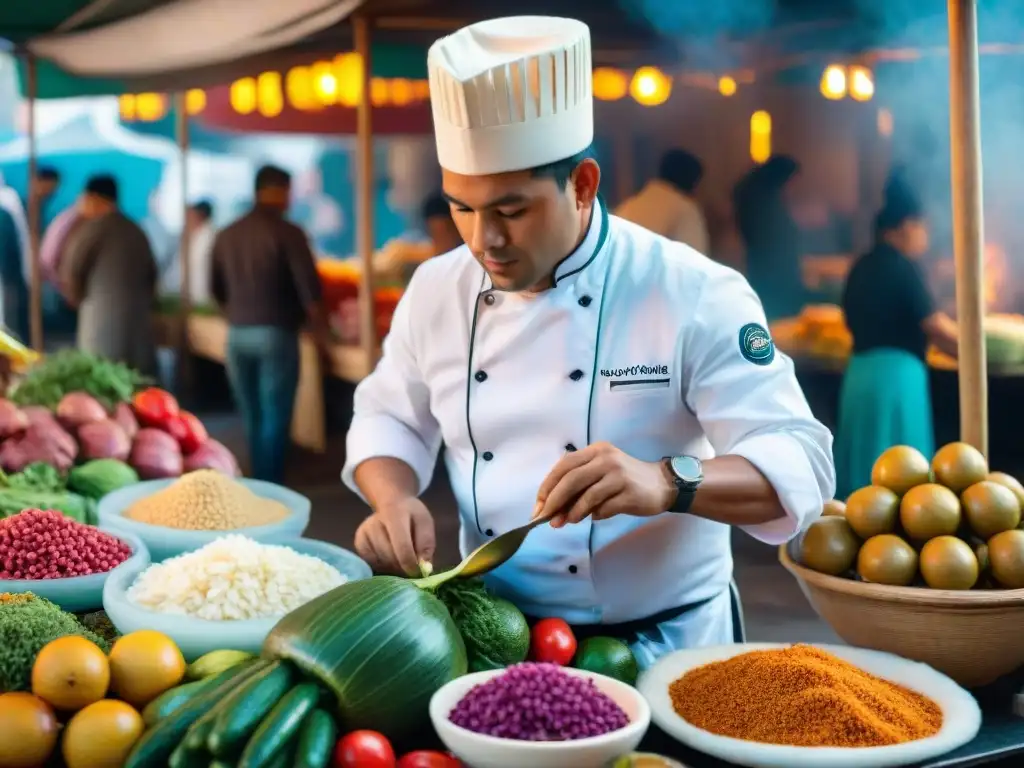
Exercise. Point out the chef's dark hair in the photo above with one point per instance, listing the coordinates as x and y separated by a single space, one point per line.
271 176
560 171
436 206
681 169
103 185
48 173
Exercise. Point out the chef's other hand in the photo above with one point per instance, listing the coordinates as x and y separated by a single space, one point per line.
396 537
601 481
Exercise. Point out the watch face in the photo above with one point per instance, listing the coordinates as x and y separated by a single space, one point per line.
687 469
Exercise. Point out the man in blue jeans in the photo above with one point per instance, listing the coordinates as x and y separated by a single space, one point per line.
265 281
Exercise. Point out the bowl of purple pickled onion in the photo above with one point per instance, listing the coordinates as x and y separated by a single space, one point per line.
540 716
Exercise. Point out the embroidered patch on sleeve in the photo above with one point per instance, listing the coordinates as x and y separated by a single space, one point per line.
756 344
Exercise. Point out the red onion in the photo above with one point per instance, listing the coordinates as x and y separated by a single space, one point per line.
104 440
78 408
12 420
37 544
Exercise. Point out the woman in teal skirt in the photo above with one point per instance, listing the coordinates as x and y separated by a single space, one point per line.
885 398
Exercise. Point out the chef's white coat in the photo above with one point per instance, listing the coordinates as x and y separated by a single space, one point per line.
637 344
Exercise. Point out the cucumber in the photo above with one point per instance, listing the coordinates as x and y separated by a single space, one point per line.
157 743
285 757
170 700
254 701
195 737
316 740
221 764
183 757
280 726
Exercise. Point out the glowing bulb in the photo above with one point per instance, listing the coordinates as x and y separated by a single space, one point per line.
126 106
833 82
760 136
150 106
650 86
269 98
862 84
298 86
609 84
195 101
325 82
243 95
726 86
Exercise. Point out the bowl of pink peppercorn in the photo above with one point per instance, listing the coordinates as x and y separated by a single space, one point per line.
539 716
62 560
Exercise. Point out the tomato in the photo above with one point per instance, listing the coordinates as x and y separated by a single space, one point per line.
552 642
188 430
364 749
155 407
428 759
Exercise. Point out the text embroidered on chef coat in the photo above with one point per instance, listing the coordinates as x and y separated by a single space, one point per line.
635 378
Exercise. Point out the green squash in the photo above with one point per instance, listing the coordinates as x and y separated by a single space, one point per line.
382 646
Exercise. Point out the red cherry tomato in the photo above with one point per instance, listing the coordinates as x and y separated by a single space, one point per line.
364 749
428 759
154 407
552 642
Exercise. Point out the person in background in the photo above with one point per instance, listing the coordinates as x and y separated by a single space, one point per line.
199 226
439 224
41 193
108 272
771 236
666 205
15 304
885 399
265 280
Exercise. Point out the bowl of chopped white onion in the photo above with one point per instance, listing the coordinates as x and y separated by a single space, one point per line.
229 593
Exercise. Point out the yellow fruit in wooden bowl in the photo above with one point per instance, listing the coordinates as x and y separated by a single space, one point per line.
28 730
101 735
70 673
143 665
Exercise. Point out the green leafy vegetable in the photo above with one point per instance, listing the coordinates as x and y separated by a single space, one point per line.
96 478
495 632
71 370
99 623
37 476
15 500
27 623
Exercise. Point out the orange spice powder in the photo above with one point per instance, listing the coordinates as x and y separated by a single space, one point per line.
802 696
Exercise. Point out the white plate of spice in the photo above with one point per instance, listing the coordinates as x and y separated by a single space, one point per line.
774 705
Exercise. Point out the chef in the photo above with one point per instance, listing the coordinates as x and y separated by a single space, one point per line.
576 367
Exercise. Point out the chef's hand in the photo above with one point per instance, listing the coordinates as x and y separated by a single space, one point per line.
601 481
396 537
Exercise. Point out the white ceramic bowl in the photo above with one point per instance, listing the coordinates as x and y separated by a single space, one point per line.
164 542
82 594
482 751
198 636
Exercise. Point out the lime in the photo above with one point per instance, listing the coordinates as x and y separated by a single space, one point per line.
607 656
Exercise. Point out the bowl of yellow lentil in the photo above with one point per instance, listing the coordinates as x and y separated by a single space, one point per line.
182 514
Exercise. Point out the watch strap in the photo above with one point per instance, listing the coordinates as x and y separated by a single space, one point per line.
684 491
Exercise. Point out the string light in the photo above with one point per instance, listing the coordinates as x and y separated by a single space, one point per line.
726 86
833 82
650 87
760 136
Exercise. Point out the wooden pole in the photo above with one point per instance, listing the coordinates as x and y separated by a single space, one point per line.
34 211
968 219
365 238
184 256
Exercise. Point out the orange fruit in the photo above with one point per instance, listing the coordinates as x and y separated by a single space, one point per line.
30 729
143 665
70 673
101 735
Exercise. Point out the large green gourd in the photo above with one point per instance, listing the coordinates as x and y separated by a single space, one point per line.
383 647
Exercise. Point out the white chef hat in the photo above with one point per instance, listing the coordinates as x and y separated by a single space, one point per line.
510 94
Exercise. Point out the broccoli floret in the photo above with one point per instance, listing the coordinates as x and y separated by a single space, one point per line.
27 623
495 632
100 623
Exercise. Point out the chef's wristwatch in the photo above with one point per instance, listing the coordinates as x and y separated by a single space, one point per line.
687 474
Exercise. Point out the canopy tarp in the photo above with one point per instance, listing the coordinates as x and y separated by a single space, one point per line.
25 20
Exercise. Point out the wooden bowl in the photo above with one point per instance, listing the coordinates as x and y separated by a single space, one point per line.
974 636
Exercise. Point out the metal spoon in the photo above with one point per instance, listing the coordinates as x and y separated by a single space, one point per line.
484 558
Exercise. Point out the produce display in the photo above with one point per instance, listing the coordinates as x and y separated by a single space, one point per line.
801 696
27 624
37 544
206 500
538 702
945 524
71 370
234 578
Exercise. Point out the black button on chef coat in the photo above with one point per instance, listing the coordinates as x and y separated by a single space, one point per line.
487 456
576 375
584 301
480 376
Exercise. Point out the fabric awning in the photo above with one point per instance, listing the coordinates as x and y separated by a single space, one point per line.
184 34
